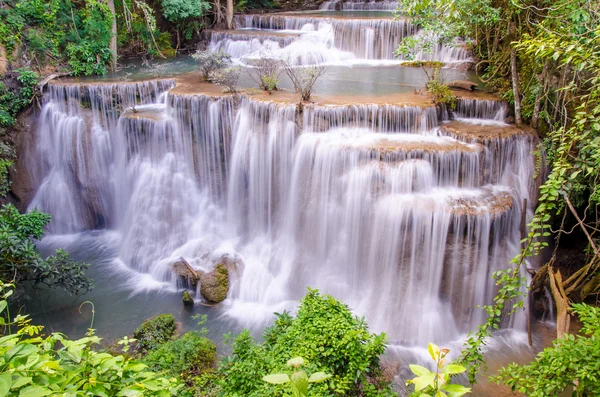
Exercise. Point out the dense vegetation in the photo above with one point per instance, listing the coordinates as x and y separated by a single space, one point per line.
326 335
37 365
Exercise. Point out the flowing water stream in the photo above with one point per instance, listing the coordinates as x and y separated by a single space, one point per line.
389 207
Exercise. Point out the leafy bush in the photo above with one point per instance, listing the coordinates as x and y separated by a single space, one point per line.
325 333
21 259
58 32
17 90
35 365
304 79
572 361
442 94
188 356
210 62
155 332
265 72
227 77
182 14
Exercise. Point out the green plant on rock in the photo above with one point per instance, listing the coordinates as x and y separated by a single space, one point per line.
327 335
17 91
573 362
155 332
437 384
298 380
209 62
36 365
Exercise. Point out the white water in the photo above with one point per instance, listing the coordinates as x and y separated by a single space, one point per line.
354 5
309 40
372 203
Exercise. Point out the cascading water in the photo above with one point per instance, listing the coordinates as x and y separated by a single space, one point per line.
376 204
358 5
313 39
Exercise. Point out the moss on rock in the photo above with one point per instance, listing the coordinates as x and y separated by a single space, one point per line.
155 331
214 286
187 298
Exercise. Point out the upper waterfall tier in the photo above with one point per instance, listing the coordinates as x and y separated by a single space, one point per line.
330 39
359 5
363 38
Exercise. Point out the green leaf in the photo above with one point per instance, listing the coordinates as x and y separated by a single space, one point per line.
5 383
455 390
419 370
452 369
35 391
434 351
421 382
20 382
318 377
276 379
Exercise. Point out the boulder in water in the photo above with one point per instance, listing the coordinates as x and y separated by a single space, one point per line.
214 286
187 277
188 301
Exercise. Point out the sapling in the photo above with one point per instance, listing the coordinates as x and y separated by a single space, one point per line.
299 380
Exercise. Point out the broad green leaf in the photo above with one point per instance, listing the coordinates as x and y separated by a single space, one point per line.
434 351
276 379
20 382
455 390
5 383
35 391
452 369
421 382
318 377
419 370
3 305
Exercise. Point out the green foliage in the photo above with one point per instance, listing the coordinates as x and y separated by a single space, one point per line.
571 362
441 93
298 380
324 332
58 32
183 13
245 5
187 356
429 384
269 82
155 331
21 259
17 90
37 365
209 62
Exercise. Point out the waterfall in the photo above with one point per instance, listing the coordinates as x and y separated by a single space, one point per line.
363 38
364 5
399 214
74 153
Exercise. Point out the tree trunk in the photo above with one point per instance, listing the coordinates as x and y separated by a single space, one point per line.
563 319
218 12
515 78
113 39
229 14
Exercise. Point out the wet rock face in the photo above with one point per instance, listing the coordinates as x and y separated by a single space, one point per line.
187 277
214 286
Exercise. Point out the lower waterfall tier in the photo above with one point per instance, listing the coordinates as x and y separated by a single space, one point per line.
385 206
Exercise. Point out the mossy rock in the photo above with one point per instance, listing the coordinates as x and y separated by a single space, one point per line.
156 331
187 298
214 286
427 64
